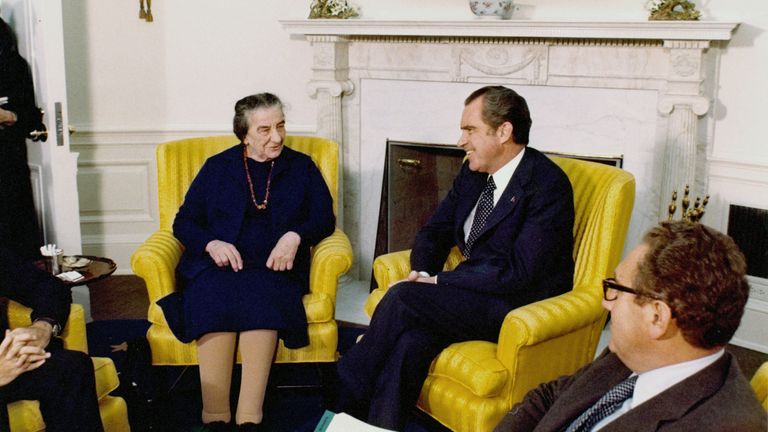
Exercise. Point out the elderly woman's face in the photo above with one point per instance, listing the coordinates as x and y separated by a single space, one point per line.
266 133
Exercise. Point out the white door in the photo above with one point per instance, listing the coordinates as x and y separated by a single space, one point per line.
38 27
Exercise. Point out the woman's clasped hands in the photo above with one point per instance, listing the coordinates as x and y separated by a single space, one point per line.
280 259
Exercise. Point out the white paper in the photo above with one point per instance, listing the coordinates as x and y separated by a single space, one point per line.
344 422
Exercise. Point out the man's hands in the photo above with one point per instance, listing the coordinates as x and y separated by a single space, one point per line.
7 118
284 252
224 254
280 259
20 352
414 276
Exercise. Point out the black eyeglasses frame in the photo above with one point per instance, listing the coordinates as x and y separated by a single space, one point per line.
611 283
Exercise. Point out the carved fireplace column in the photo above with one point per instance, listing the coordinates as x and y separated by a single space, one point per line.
684 103
330 82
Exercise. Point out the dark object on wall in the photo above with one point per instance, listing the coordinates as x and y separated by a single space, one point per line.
748 227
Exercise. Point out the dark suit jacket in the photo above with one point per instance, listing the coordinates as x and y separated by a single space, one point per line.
215 206
717 398
525 251
24 283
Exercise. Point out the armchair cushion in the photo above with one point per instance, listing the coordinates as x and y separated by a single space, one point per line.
319 307
474 365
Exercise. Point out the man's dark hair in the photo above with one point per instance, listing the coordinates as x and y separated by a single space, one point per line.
700 273
501 104
241 122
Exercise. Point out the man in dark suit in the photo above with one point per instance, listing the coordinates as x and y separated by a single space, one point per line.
675 302
33 363
511 213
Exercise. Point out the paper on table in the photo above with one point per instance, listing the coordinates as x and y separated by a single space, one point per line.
344 422
70 276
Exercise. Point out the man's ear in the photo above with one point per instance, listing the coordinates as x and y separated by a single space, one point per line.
659 318
504 131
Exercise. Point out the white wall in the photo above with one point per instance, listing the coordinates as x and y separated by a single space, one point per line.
132 84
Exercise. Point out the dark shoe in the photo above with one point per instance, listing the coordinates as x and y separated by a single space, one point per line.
250 427
217 426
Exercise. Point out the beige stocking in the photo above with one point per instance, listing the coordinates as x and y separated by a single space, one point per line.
257 348
216 352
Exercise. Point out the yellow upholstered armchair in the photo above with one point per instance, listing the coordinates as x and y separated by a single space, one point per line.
25 415
471 385
155 261
760 385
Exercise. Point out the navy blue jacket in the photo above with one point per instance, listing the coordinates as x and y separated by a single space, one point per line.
215 206
525 251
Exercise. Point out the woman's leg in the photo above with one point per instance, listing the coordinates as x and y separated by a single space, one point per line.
257 348
216 351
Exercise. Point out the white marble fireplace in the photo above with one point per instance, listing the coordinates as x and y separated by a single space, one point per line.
639 90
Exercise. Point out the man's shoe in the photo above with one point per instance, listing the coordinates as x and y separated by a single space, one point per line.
217 426
250 427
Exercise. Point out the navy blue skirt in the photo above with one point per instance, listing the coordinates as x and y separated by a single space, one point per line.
221 300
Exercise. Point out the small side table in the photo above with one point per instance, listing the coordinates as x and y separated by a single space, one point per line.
99 268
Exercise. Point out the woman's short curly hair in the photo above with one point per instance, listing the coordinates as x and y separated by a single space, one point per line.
701 274
241 121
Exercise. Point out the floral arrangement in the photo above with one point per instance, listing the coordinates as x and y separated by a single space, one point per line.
332 9
672 10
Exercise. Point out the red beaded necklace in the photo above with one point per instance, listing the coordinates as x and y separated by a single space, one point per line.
264 203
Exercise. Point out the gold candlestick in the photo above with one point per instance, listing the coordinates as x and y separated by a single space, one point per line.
693 214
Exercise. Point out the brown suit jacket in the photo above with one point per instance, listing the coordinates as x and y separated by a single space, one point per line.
717 398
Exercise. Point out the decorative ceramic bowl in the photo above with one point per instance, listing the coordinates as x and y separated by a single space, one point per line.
491 8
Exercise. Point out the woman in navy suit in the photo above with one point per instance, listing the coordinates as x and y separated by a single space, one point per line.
247 224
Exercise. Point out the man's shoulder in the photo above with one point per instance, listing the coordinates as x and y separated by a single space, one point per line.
542 161
737 400
543 172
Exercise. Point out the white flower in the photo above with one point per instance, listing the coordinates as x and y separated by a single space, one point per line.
653 5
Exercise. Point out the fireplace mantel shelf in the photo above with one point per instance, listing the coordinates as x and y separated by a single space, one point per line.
646 30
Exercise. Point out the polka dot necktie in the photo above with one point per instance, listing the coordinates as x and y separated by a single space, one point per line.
484 208
604 407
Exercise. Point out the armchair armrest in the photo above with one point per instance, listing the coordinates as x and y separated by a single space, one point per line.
331 258
555 334
387 269
394 267
73 333
155 261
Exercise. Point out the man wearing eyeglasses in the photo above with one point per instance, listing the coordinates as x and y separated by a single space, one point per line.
675 302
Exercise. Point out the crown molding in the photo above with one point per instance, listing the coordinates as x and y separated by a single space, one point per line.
648 30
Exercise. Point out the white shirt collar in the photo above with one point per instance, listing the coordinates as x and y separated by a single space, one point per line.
655 381
504 175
